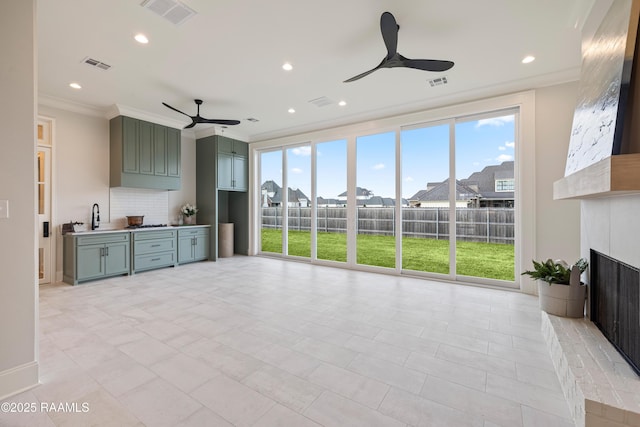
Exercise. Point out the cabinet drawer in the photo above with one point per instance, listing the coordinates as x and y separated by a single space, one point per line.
147 262
193 232
153 246
150 235
103 238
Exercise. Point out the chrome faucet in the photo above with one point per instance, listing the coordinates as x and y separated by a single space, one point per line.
95 216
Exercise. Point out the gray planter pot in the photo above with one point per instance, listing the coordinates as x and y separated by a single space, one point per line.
563 300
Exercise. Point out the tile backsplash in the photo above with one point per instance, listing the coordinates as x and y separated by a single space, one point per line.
153 204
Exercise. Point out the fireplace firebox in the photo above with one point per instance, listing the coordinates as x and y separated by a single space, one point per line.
615 304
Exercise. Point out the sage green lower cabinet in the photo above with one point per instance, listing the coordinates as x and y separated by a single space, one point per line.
95 257
193 244
153 249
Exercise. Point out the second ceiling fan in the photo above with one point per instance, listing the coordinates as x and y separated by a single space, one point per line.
197 119
389 29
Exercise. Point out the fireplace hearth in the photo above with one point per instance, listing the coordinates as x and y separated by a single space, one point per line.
615 304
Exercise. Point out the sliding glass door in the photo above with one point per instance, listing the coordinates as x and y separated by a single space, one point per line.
298 183
485 200
425 186
271 211
375 199
331 204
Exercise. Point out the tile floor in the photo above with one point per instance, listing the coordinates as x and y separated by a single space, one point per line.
250 341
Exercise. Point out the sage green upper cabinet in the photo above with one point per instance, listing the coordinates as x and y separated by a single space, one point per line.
130 145
144 155
173 152
232 164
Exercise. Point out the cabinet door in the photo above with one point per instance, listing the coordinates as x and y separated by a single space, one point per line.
240 148
201 248
117 258
90 263
159 150
146 148
174 148
130 146
225 171
185 249
239 173
224 144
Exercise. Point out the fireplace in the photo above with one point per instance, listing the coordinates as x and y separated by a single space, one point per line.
615 304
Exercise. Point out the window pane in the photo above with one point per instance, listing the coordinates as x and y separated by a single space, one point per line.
271 201
375 194
485 198
425 184
331 184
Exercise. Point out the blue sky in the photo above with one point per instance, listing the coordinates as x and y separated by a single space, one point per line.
425 158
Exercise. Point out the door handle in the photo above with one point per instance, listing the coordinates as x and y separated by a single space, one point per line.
45 229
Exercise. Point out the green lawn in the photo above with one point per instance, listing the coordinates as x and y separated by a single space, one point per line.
490 260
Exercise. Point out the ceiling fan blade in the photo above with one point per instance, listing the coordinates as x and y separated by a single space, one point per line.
175 109
220 122
389 29
427 64
366 73
190 125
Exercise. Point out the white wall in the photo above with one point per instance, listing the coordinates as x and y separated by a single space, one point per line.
557 221
18 298
81 177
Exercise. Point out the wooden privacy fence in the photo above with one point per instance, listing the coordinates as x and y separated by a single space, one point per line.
495 225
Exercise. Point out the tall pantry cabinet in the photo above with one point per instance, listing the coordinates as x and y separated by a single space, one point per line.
222 177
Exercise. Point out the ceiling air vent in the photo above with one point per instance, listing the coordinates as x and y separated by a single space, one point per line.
253 119
323 101
172 10
438 82
95 63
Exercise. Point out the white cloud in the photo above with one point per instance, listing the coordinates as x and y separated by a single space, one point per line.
302 151
494 121
296 170
408 179
378 166
510 144
502 148
504 157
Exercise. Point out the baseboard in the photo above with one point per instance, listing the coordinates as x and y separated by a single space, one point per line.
18 379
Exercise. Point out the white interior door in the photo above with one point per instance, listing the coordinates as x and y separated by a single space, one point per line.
43 191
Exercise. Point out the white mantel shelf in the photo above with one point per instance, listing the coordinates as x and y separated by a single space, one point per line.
613 176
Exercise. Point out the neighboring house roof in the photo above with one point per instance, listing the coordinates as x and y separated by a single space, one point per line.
323 201
294 195
441 192
360 192
486 180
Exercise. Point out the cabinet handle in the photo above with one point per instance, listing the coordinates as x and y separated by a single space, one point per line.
106 250
193 241
101 252
155 259
155 246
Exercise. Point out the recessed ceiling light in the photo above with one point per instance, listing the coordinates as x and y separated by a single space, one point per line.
291 110
75 85
287 66
141 38
342 103
528 59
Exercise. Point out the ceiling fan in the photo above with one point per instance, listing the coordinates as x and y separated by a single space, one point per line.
389 29
197 119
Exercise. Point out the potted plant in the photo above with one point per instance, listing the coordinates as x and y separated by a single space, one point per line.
559 288
188 212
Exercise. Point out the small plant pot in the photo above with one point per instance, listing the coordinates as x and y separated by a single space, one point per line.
191 219
563 300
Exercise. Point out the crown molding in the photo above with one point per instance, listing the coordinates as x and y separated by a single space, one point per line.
64 104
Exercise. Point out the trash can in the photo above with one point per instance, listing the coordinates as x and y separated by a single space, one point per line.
225 239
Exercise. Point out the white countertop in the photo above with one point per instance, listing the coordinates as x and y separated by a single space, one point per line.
133 230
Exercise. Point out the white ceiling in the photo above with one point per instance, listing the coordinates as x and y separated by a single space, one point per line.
230 55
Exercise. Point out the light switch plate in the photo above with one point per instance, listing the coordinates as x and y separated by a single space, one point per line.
4 209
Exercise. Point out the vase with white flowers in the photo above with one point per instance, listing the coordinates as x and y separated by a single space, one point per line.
188 212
